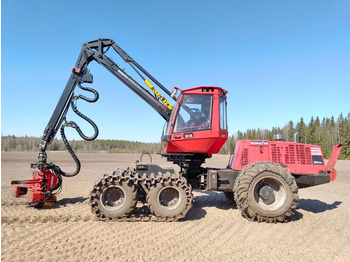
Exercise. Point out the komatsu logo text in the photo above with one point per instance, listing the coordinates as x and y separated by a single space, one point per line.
261 143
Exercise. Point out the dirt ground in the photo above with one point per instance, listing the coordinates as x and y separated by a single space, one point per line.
214 230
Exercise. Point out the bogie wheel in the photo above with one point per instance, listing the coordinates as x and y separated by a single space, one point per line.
170 199
112 198
266 192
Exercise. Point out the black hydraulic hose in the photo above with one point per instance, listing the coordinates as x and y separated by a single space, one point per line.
91 100
74 107
71 152
77 128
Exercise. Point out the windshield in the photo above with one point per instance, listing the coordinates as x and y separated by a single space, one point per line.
194 113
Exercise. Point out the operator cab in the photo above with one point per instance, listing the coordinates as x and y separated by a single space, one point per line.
198 123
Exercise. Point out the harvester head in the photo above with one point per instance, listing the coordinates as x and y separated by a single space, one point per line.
40 190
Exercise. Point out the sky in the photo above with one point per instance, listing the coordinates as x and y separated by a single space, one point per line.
278 60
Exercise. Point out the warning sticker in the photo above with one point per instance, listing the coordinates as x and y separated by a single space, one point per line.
316 151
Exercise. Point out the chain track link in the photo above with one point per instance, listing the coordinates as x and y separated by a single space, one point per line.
133 178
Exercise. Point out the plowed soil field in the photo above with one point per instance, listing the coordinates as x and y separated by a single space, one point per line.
213 230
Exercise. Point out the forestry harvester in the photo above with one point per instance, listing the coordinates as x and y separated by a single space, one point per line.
262 176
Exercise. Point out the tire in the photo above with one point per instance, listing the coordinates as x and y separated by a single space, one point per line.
266 192
170 199
114 198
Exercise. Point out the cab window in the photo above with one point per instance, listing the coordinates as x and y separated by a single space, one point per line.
223 113
194 113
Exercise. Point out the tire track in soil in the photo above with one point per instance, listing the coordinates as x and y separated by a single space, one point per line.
213 231
22 214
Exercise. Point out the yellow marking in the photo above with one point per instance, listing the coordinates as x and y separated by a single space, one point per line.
148 83
161 98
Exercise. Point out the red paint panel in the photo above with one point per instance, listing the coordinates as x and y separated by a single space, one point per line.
297 158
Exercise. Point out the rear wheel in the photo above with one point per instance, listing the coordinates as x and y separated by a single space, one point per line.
266 192
170 199
114 198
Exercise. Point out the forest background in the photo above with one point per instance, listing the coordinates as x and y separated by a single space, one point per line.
325 133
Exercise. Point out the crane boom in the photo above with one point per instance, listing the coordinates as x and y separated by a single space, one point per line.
96 51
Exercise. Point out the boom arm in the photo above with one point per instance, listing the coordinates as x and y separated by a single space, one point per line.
95 50
47 177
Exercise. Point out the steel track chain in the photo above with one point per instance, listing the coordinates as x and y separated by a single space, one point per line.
140 213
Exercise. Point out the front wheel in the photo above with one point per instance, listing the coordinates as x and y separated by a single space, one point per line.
113 198
266 192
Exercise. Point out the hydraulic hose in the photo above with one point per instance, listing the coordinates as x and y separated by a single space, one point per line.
71 152
77 128
74 107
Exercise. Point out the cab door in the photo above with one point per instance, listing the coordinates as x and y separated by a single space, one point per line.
199 122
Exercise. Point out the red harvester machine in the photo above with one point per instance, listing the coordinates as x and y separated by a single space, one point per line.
262 177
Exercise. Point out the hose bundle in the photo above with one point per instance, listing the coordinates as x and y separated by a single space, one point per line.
77 128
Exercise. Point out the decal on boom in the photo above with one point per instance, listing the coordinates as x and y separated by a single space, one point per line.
161 98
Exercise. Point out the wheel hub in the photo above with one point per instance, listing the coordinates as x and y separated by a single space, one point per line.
269 194
266 192
113 198
169 197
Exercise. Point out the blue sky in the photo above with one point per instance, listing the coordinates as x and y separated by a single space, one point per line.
279 60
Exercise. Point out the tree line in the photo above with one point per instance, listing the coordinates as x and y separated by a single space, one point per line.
13 143
325 133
